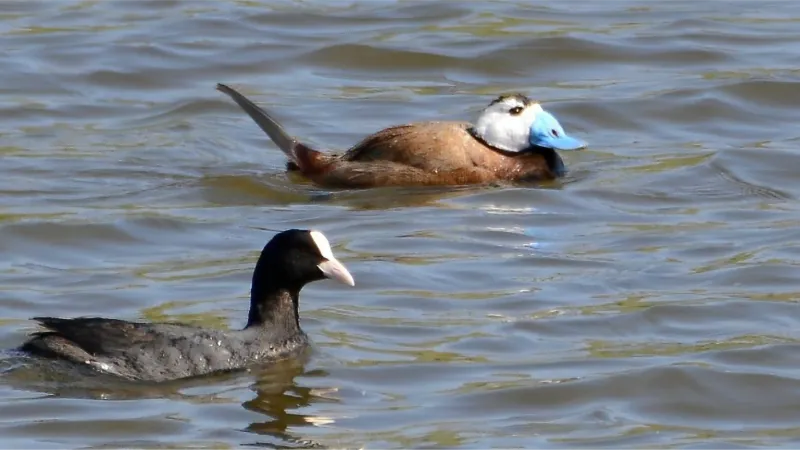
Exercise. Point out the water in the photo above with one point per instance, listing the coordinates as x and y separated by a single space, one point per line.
649 299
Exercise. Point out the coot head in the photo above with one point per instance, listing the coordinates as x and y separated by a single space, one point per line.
289 261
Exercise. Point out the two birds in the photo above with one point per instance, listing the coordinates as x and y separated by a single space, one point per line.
513 139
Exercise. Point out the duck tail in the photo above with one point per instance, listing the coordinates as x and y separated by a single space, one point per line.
266 122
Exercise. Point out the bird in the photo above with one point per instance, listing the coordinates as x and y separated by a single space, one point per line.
513 139
158 352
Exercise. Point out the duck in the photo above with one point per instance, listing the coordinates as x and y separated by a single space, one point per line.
158 352
513 139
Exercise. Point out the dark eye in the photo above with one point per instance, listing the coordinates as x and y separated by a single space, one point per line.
555 133
515 110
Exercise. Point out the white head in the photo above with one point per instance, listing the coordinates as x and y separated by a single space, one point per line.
506 123
515 123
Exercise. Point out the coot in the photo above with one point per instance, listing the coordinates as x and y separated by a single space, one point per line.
168 351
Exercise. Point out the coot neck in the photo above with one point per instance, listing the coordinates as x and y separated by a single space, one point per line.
273 304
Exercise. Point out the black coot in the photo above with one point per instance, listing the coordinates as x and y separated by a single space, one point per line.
168 351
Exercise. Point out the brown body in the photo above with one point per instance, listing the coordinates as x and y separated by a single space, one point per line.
416 154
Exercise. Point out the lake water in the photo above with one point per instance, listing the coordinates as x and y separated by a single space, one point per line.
649 299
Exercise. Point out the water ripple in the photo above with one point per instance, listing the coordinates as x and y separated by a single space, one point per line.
647 299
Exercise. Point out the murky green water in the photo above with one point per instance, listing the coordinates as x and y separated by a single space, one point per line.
647 300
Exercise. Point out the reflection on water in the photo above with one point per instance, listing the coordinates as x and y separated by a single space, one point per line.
275 394
647 299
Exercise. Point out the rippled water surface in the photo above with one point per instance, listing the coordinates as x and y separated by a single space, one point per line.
649 299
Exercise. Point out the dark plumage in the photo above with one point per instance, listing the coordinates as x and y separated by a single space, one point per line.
518 97
166 351
424 153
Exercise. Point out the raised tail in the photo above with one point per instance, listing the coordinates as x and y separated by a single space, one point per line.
302 158
270 126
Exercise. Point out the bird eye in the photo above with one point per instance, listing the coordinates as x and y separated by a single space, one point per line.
515 110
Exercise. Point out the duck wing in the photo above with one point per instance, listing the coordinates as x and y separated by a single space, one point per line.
430 146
